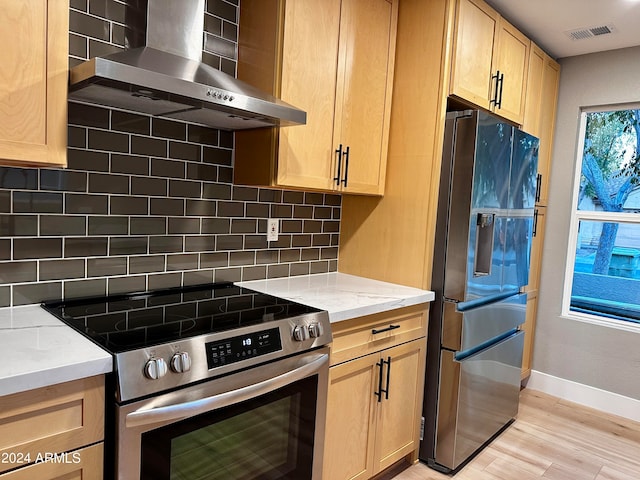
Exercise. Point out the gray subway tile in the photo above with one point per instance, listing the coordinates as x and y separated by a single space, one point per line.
199 243
61 269
254 273
149 186
166 206
184 151
266 256
167 168
87 160
202 171
85 247
225 174
255 241
302 211
329 253
216 225
247 194
228 274
101 49
330 226
257 210
201 208
241 258
18 272
314 198
322 213
214 260
18 178
131 164
218 191
105 267
28 248
146 264
148 226
88 25
5 296
5 249
197 277
108 225
77 137
289 196
200 134
312 226
310 254
168 129
37 202
62 225
128 245
153 147
212 24
291 226
129 205
63 180
182 262
301 240
130 122
319 267
229 242
85 288
217 156
107 183
302 268
166 244
108 140
231 209
88 115
333 200
5 201
164 280
128 284
185 188
277 271
243 225
184 225
36 293
271 196
85 203
321 240
290 255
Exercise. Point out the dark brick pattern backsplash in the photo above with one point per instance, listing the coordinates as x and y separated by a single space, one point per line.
149 203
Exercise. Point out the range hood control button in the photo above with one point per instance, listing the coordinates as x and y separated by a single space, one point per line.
180 362
301 333
155 368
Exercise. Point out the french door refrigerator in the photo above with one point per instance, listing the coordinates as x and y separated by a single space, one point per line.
481 264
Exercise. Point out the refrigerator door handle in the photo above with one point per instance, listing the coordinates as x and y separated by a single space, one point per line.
484 244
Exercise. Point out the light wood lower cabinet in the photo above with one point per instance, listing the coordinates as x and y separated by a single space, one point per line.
375 399
44 431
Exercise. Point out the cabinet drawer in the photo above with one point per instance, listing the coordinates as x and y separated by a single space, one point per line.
53 419
85 464
364 335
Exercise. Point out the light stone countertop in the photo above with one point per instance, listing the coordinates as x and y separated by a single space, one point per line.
343 296
39 350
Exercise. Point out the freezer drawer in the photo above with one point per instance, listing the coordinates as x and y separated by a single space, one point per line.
478 396
466 325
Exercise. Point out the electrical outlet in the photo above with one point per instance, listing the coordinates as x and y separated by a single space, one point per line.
273 228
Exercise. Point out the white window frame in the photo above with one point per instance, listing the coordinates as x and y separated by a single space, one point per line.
585 215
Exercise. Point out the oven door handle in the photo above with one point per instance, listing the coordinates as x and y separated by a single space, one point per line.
169 413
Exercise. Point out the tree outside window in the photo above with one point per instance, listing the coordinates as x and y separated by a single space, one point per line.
606 225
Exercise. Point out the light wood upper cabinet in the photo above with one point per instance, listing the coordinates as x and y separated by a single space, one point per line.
375 393
334 59
490 60
33 82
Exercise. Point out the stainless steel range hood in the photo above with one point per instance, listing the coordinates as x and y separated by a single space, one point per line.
167 77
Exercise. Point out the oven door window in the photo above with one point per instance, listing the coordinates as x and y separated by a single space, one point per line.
265 438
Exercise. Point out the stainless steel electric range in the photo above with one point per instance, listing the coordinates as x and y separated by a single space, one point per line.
210 382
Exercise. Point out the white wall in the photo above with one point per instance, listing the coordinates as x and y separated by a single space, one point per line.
601 357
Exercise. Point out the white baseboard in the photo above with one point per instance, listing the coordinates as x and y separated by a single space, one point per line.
585 395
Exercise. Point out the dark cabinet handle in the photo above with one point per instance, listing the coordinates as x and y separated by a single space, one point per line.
381 390
538 186
501 81
389 328
346 166
535 222
339 162
495 77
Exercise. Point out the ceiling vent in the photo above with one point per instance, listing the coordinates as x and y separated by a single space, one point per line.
582 33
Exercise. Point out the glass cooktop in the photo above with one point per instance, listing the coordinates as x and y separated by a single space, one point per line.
138 320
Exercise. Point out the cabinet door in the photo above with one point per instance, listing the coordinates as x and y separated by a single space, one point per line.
511 59
351 404
531 121
474 35
363 91
85 464
33 81
308 80
529 327
549 99
399 416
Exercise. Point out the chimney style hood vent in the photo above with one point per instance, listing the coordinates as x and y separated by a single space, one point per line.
167 78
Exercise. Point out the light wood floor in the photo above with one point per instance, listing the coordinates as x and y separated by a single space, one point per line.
553 439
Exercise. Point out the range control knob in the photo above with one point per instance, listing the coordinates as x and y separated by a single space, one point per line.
301 333
315 330
155 368
180 362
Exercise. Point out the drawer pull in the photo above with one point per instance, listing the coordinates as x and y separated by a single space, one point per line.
388 329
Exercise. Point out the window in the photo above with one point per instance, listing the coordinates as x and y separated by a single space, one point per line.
604 257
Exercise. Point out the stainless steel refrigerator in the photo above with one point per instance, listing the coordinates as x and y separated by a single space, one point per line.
481 264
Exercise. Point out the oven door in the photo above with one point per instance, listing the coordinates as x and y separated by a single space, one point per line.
263 423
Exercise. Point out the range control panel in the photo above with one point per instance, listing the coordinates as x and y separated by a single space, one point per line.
242 347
